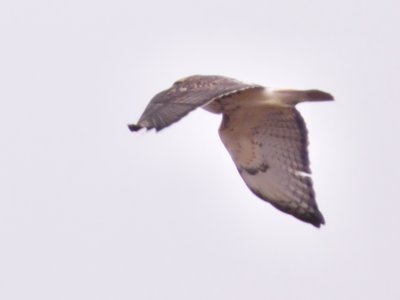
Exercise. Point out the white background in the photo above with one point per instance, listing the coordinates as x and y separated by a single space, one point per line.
89 210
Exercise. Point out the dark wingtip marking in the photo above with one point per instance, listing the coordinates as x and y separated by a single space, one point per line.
134 127
317 220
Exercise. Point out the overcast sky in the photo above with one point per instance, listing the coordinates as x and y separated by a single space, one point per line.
89 210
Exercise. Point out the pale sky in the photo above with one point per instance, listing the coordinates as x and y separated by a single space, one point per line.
89 210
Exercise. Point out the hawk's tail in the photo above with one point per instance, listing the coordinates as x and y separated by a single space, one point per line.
295 96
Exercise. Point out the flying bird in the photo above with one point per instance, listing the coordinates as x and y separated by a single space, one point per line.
261 129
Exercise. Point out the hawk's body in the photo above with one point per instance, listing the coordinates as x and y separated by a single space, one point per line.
265 135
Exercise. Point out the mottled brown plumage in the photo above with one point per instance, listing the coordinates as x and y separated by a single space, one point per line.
186 95
263 132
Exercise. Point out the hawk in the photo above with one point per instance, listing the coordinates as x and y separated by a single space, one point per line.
261 129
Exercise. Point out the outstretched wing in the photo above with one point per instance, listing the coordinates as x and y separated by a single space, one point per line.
186 95
269 148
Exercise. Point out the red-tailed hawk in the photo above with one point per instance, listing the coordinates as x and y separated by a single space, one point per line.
262 130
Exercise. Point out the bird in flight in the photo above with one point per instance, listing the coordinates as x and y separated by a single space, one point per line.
261 129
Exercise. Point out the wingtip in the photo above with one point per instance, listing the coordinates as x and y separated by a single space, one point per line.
134 127
314 218
317 220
